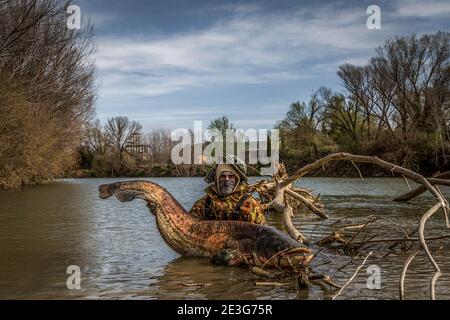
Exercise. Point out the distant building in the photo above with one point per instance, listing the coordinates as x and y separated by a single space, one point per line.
139 150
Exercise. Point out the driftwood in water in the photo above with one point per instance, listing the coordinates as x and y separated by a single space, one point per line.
421 189
280 195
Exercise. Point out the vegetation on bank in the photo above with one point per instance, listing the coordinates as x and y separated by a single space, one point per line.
396 107
47 91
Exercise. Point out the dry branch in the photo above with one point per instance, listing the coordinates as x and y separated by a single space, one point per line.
352 277
287 222
421 189
403 275
402 239
307 203
282 184
263 283
437 273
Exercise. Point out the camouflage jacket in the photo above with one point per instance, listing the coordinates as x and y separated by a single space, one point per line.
214 207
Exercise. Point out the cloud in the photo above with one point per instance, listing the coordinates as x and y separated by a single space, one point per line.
235 8
100 20
423 8
251 47
246 62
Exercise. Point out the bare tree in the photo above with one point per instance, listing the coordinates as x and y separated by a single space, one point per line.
221 124
160 146
96 139
119 133
360 82
405 87
49 74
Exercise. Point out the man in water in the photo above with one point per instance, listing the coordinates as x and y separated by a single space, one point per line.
229 196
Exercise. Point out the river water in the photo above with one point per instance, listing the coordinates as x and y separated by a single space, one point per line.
121 255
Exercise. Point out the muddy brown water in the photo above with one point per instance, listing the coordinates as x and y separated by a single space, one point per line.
121 255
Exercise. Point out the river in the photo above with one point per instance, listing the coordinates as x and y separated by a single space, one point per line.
121 255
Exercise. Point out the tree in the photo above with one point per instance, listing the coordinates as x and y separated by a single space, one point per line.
222 124
97 139
160 146
47 79
120 132
300 131
344 121
405 90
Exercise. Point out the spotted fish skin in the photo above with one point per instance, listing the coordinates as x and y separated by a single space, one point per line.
243 242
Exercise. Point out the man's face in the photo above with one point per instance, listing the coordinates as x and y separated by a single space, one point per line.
227 182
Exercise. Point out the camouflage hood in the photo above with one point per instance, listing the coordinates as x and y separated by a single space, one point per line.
238 167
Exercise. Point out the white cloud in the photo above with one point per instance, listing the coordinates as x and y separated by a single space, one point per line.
250 48
411 8
247 46
100 20
236 8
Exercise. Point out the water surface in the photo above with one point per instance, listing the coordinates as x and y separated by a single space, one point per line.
44 229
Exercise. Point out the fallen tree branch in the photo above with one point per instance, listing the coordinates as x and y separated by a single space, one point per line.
437 181
287 222
278 203
281 184
262 272
403 275
194 284
403 239
352 277
326 279
362 159
277 284
427 183
438 272
421 189
307 203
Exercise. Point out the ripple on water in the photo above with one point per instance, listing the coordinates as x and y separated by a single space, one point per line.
117 246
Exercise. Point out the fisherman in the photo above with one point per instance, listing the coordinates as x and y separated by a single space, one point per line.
229 196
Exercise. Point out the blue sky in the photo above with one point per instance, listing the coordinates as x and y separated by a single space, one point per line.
168 63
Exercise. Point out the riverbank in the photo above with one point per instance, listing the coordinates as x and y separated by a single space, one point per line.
154 171
341 169
337 169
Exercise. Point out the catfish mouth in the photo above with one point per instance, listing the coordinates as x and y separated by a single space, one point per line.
105 191
299 256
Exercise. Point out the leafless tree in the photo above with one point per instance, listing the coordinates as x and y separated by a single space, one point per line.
96 139
160 146
405 89
49 74
119 133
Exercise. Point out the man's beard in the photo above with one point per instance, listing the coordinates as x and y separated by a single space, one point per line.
226 187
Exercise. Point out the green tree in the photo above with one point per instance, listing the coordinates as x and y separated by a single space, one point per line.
222 124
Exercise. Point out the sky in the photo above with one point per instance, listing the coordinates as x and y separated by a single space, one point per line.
169 63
